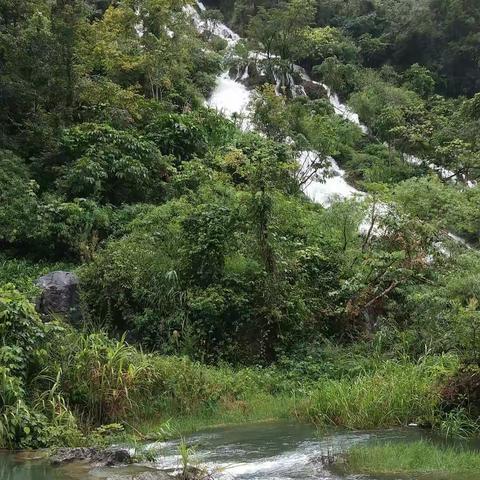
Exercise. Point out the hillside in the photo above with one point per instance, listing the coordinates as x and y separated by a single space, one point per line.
271 210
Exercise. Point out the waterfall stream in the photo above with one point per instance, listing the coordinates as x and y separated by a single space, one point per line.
232 98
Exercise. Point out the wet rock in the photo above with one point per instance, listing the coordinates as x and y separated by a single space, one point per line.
250 74
108 457
314 90
60 295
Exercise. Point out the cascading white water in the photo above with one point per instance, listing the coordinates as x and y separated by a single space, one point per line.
232 98
333 185
343 110
217 28
270 450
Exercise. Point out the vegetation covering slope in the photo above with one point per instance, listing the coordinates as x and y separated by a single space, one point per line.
215 284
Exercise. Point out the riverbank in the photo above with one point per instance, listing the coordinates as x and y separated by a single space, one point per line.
255 450
95 389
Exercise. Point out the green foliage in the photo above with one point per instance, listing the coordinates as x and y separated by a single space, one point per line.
196 238
341 77
328 42
111 165
281 30
420 80
21 332
18 198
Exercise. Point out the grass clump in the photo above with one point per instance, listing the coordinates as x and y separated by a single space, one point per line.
407 458
395 394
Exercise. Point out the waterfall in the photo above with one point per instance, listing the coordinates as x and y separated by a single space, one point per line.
232 99
217 28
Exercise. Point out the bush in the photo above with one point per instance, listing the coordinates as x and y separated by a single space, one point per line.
462 392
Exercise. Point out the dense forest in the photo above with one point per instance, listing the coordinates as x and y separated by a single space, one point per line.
209 279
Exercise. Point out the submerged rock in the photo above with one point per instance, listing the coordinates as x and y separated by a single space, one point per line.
108 457
150 475
60 295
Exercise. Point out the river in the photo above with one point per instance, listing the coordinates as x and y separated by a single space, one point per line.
279 450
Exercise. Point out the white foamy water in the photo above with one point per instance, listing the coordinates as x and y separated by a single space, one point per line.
333 185
268 451
217 28
232 99
342 109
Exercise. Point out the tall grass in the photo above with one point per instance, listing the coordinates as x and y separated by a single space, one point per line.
103 380
395 394
408 458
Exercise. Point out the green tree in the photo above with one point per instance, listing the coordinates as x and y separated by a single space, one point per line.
112 165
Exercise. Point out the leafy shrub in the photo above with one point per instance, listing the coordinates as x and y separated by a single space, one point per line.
462 392
111 165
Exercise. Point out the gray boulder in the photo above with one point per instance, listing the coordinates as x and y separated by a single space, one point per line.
60 295
107 457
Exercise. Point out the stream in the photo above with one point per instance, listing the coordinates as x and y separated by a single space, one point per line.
279 450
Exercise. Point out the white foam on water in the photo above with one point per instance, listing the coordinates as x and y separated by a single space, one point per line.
217 28
342 109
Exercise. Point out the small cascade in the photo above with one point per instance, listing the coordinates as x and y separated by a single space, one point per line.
139 27
217 28
332 185
232 99
342 109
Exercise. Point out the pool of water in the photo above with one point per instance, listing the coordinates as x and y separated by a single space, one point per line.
260 451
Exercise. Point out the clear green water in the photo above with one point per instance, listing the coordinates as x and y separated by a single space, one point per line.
261 451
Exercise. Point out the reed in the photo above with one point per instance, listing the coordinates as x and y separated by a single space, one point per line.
396 394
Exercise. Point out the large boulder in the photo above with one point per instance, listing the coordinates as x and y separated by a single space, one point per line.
59 295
